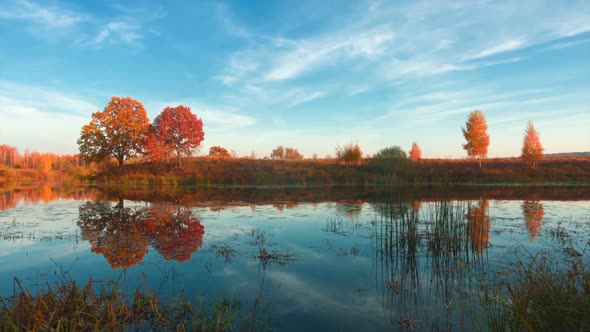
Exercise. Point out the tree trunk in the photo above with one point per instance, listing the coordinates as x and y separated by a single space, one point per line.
121 161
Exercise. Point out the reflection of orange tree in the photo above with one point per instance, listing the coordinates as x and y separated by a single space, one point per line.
114 232
10 197
122 234
176 233
479 225
533 216
416 205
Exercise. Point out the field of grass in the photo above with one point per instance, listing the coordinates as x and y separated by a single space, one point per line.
247 172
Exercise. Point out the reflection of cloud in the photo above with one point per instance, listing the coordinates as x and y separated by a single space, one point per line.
306 295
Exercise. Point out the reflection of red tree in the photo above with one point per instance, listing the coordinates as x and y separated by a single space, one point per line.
533 216
114 232
176 233
479 225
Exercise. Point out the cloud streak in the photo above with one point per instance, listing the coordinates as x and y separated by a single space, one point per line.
50 17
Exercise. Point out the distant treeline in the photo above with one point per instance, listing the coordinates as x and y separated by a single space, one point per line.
35 166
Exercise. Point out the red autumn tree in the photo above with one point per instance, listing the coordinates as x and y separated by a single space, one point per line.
532 150
176 130
415 152
476 135
118 131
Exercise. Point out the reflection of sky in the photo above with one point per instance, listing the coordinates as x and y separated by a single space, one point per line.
333 282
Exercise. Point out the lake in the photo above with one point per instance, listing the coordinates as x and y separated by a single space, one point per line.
327 258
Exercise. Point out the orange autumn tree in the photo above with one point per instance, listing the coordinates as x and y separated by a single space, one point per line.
118 131
532 150
476 135
415 152
176 130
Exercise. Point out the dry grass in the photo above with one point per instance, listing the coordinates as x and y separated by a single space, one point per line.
68 306
541 295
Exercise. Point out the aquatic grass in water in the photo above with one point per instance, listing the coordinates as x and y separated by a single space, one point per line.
540 293
68 306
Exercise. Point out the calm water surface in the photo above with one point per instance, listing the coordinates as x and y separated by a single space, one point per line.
312 259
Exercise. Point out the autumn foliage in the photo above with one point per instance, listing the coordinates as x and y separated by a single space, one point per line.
415 152
176 130
117 132
122 234
219 152
349 154
532 150
285 153
476 135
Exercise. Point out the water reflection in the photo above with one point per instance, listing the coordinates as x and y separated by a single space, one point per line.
11 197
533 217
479 224
424 258
175 231
122 234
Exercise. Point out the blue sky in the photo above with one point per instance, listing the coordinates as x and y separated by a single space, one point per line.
306 74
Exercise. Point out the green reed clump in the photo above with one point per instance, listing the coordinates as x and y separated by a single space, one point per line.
68 306
545 294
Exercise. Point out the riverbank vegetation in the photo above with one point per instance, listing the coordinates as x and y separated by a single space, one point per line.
69 306
202 171
542 292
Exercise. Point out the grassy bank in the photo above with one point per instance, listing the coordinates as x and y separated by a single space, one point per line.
543 292
69 306
247 172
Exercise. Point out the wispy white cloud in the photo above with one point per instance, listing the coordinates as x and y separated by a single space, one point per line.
215 118
48 16
566 44
505 46
18 100
330 49
387 42
302 98
42 119
127 32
